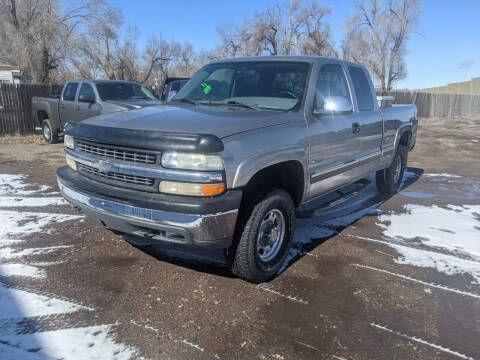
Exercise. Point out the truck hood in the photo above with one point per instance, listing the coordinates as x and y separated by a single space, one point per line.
218 121
134 104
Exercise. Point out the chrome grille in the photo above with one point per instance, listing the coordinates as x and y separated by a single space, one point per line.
114 176
113 152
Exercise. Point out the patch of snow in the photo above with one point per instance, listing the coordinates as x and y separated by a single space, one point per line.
475 140
454 228
450 236
31 201
9 253
19 304
15 185
8 242
446 264
93 342
23 223
21 270
444 175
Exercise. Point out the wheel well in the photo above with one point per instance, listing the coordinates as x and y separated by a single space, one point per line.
41 115
404 138
287 175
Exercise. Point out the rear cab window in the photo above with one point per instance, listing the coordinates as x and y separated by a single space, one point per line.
362 88
70 91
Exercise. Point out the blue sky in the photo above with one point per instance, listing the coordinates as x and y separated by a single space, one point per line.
445 47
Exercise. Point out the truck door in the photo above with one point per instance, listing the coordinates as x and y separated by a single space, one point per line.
369 119
66 105
332 136
86 108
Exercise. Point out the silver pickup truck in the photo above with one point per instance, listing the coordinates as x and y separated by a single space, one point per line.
82 99
245 146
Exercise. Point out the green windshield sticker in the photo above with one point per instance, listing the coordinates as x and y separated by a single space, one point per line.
206 88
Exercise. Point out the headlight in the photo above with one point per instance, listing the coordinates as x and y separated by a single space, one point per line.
186 161
191 189
71 162
68 141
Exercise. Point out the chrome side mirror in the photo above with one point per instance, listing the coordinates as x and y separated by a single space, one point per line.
334 105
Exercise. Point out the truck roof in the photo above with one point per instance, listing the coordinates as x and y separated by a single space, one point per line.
295 58
103 81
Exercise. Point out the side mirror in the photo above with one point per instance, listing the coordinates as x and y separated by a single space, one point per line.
86 98
334 105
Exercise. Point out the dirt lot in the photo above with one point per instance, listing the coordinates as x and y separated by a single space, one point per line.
395 278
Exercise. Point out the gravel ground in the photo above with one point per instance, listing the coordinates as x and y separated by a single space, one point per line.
395 278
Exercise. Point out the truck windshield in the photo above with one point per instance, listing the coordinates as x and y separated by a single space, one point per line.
123 91
258 84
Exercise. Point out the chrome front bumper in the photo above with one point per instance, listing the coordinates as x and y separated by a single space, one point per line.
213 230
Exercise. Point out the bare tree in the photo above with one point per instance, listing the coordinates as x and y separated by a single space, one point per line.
377 36
38 33
298 27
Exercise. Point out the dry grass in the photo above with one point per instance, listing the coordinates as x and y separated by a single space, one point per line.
18 139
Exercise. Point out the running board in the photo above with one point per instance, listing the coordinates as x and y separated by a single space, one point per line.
333 199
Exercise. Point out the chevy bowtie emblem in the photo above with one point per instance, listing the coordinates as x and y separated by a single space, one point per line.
105 166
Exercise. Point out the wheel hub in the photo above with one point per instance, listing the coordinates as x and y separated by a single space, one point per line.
46 132
270 235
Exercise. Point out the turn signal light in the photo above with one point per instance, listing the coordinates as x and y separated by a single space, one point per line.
191 189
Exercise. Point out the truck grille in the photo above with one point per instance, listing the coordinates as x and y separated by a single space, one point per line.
114 152
94 173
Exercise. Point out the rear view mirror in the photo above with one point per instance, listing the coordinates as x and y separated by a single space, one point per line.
334 105
86 98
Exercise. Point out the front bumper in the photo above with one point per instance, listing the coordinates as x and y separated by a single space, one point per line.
207 230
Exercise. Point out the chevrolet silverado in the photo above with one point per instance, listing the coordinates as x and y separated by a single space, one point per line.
245 146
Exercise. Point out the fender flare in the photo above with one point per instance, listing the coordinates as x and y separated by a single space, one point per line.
259 161
404 128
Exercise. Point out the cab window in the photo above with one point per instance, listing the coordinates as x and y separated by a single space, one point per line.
70 91
331 82
86 89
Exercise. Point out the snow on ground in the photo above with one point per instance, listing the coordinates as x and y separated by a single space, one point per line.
443 175
93 342
454 228
31 201
449 237
17 231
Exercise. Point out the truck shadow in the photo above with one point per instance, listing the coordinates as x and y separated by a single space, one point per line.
310 232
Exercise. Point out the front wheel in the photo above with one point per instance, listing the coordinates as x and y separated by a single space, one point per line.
50 133
390 179
266 236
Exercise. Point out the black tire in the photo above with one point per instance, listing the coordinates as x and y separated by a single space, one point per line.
247 262
49 132
387 182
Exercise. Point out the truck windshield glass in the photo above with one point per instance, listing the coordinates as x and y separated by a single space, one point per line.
123 91
261 84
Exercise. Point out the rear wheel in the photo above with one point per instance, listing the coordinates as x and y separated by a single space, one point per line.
265 237
50 133
390 179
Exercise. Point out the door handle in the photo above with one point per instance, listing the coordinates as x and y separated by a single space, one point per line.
355 128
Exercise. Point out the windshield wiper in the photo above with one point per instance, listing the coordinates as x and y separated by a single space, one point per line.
248 106
230 103
185 100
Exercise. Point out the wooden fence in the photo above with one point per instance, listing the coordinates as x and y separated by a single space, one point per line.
16 104
440 105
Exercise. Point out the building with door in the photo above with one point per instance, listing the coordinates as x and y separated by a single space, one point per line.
10 74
